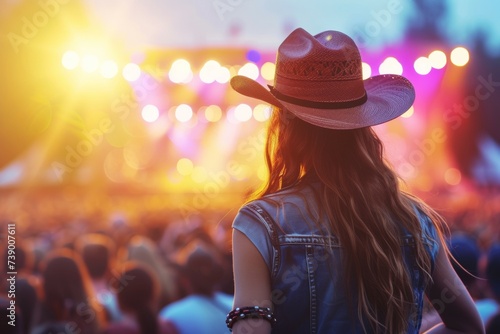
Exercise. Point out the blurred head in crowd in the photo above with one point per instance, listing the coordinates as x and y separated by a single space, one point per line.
137 296
142 250
26 284
23 258
201 270
67 291
466 252
97 252
493 269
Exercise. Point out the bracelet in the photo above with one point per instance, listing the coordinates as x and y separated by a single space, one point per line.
249 312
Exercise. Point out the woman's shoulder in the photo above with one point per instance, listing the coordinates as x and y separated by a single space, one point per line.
295 195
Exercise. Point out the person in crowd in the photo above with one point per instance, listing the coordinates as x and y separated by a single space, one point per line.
204 309
493 277
466 256
26 283
97 251
14 325
493 326
137 298
143 250
332 243
68 298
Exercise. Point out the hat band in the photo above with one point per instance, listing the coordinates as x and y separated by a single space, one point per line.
318 104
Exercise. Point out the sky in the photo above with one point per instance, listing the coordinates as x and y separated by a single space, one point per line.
263 24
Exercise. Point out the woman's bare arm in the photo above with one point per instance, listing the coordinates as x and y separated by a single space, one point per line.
451 300
252 283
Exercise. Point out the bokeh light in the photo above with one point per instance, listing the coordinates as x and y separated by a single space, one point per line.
459 56
267 71
209 71
223 75
249 70
180 71
150 113
243 112
390 65
437 59
213 113
109 69
185 166
253 56
183 113
367 70
422 65
70 60
131 72
453 176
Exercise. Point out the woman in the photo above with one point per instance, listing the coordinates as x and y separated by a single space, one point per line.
137 300
200 273
68 299
332 244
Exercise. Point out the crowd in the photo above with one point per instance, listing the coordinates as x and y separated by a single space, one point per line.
161 272
119 276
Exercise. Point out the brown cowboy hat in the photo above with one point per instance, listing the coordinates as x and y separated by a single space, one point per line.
319 79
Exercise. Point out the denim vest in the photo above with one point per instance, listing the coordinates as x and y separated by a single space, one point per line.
307 288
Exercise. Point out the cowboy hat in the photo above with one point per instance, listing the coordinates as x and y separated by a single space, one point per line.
319 79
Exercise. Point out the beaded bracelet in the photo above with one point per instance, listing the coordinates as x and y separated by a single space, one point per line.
249 312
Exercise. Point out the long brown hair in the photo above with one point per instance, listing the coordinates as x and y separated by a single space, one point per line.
68 292
138 296
364 207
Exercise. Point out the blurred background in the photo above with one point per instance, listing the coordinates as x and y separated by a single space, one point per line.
116 117
118 105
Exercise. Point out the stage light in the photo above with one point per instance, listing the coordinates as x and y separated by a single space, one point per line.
131 72
253 56
437 59
262 112
180 71
209 71
452 176
390 66
267 71
249 70
213 113
183 113
90 63
185 166
70 60
109 69
422 65
222 75
367 70
459 56
408 113
150 113
243 112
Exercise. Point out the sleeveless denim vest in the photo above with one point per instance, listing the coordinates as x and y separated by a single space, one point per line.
307 288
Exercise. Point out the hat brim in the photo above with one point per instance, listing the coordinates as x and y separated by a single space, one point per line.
389 96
